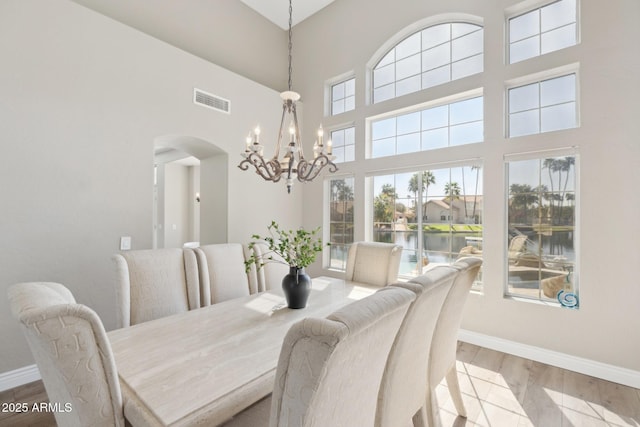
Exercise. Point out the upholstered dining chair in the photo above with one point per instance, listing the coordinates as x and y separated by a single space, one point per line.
375 263
269 276
73 354
222 272
404 383
328 373
155 283
442 363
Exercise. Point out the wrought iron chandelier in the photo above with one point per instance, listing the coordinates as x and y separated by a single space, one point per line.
293 163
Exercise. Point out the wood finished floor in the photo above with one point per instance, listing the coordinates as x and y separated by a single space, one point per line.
499 390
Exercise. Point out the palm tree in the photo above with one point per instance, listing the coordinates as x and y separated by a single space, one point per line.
475 194
452 190
384 204
522 195
565 166
427 179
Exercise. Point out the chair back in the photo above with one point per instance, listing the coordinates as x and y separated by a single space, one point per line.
155 283
404 383
330 369
374 263
73 354
445 337
222 273
270 275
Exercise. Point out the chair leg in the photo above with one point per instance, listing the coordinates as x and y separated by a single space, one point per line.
432 409
454 390
420 418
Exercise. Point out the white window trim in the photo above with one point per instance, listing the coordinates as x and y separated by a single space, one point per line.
326 215
530 155
343 126
328 84
450 99
537 78
445 18
526 7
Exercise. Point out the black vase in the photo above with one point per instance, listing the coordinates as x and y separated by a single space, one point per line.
297 287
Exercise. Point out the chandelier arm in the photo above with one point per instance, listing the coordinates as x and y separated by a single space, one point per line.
308 171
269 171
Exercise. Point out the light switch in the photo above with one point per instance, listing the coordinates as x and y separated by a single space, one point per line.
125 243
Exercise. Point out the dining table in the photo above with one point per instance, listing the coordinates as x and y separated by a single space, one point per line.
203 366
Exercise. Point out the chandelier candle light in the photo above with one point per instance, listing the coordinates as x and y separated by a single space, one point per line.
293 164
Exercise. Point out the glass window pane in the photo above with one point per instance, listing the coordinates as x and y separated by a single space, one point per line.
524 49
409 46
389 58
409 143
410 85
383 147
337 91
435 117
525 123
524 26
559 39
436 35
467 67
350 136
383 93
466 46
337 138
339 153
524 98
384 75
466 133
436 138
459 29
436 77
349 153
408 123
383 128
558 14
436 57
559 90
558 117
337 107
349 103
408 67
350 87
468 110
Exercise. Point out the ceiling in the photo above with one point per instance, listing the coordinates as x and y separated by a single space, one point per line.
277 11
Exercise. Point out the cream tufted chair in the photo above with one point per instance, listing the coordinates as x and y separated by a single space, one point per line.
442 363
327 374
404 386
73 354
373 262
155 283
222 273
270 275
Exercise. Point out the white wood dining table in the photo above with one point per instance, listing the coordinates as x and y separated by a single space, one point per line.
203 366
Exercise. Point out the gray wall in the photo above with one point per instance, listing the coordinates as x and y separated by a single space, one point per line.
606 327
83 99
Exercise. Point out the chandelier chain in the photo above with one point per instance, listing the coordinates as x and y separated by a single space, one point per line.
290 42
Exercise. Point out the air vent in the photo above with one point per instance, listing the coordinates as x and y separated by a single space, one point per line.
211 101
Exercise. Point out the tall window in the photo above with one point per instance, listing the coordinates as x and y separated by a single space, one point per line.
340 221
542 254
435 215
443 126
343 96
344 142
430 57
549 28
543 106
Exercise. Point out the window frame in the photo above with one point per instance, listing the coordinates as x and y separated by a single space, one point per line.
326 253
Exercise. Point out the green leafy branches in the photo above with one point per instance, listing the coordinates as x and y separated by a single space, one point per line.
296 248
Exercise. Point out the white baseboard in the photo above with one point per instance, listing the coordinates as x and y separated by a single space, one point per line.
604 371
19 377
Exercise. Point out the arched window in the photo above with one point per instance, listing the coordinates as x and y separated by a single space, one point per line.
432 56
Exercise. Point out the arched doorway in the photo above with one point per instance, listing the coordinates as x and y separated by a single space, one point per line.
190 192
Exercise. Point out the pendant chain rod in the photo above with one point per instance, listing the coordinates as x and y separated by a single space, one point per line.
290 43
